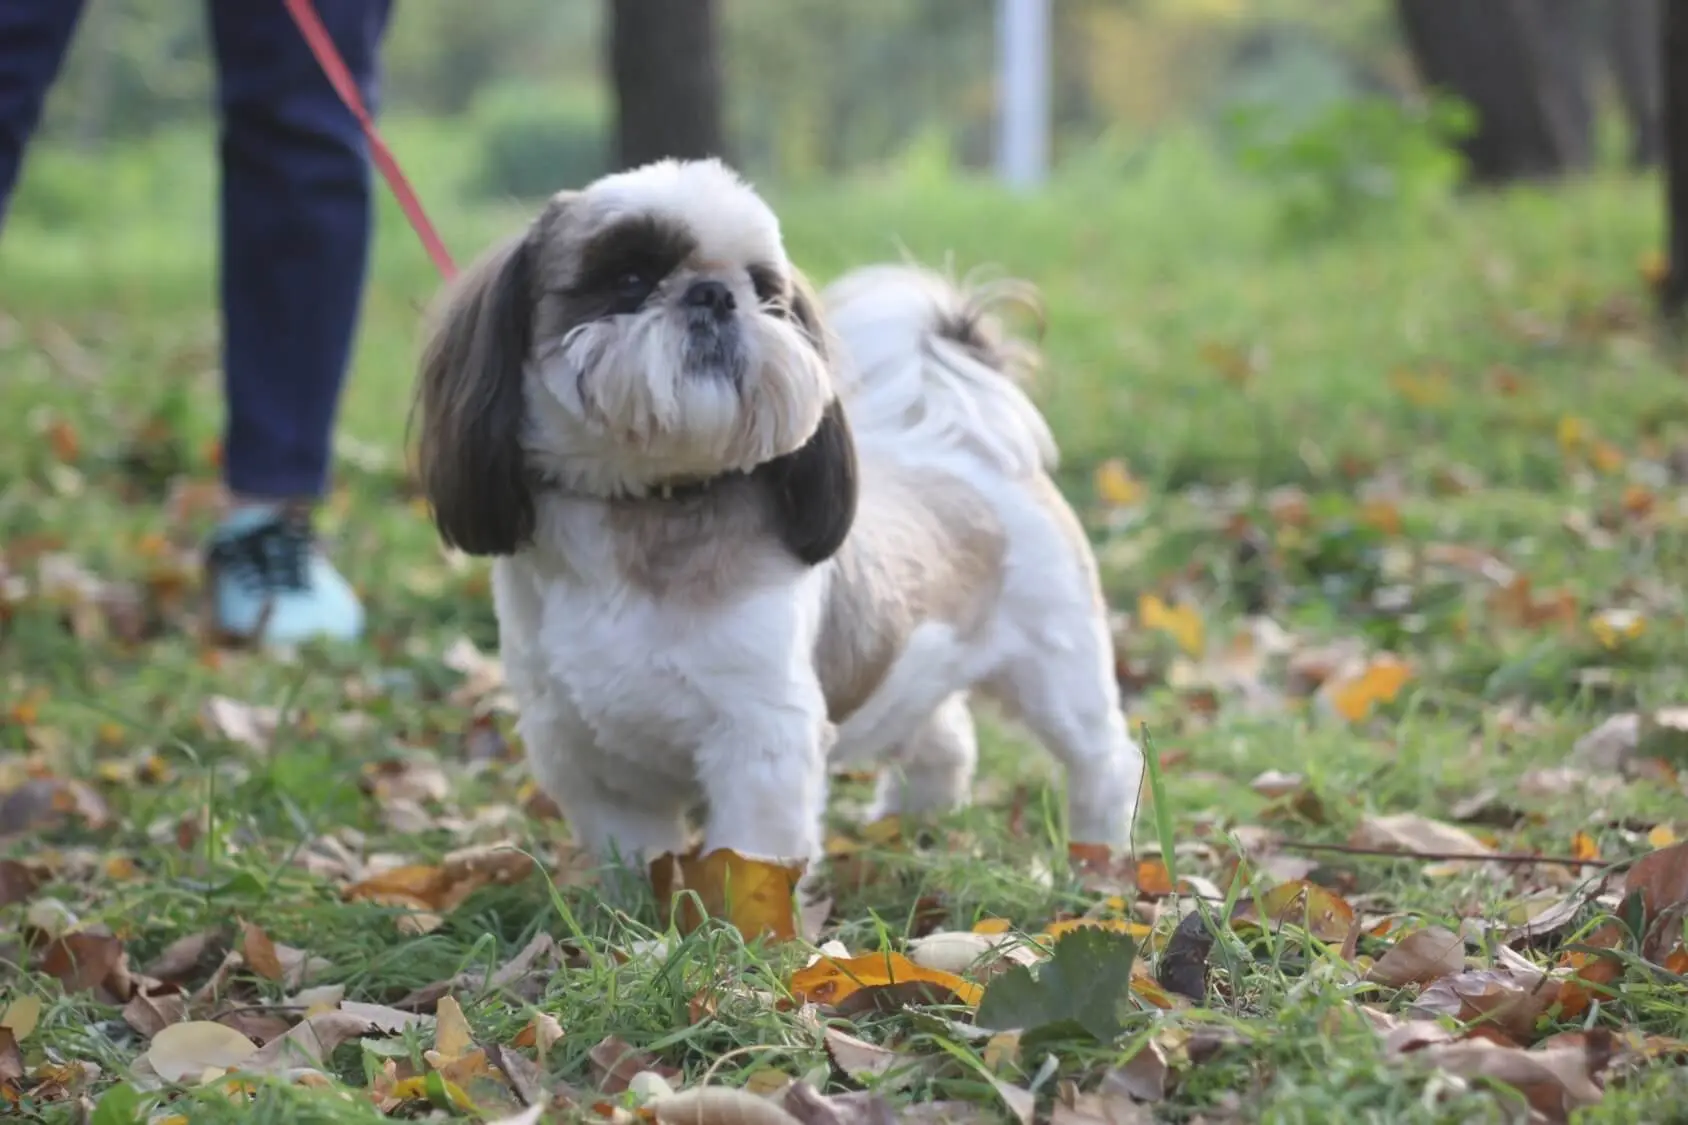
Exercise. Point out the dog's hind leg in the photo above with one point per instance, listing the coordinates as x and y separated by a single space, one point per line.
933 770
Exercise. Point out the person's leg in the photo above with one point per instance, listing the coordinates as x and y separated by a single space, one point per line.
296 225
33 37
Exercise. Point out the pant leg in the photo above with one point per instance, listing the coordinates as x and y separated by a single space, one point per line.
33 37
295 224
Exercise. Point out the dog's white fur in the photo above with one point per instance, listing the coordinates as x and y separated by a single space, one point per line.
671 658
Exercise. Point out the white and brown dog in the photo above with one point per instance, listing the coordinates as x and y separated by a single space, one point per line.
746 537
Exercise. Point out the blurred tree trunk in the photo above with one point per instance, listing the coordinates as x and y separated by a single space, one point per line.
1673 50
665 59
1521 65
1632 30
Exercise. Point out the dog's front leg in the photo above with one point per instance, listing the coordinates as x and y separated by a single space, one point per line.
764 774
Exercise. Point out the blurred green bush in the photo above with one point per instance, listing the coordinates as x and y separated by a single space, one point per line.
533 140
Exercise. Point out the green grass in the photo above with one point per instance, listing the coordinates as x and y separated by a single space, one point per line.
1150 271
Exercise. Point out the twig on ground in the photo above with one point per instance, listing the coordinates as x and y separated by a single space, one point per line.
1473 857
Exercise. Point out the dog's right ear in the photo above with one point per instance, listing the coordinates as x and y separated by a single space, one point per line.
470 398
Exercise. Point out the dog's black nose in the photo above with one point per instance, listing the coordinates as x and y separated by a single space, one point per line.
711 295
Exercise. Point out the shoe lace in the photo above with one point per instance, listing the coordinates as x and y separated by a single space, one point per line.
273 557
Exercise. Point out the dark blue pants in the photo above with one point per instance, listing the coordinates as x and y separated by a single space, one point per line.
295 215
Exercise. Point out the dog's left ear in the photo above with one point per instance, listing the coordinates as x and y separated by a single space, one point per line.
805 310
814 489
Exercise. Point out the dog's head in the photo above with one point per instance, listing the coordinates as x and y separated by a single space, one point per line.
644 331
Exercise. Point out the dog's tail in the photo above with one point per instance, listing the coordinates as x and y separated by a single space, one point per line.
928 368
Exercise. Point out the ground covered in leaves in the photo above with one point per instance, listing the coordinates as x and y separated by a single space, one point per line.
1394 526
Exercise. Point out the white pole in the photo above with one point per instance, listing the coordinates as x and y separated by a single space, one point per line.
1022 97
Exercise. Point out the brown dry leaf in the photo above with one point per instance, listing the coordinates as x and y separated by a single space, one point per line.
1101 1108
830 981
1419 835
1419 958
85 960
1143 1076
525 1077
311 1042
863 1062
260 952
452 1037
1325 914
1661 878
149 1015
1021 1102
615 1063
525 967
45 802
11 1063
18 881
184 1051
188 957
1509 1001
755 896
540 1034
1555 1081
242 723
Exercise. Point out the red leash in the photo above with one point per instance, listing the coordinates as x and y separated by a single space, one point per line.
328 57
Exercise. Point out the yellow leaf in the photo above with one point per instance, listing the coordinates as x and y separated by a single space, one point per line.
1606 457
992 926
829 980
1182 623
1613 627
1583 846
1381 682
1116 486
1572 434
1653 267
1325 914
755 896
1662 836
21 1016
452 1039
1136 930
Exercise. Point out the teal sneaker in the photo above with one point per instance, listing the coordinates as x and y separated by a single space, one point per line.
270 584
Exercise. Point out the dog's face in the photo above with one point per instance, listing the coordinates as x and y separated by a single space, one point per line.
645 330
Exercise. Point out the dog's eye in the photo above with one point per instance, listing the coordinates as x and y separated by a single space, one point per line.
630 289
770 290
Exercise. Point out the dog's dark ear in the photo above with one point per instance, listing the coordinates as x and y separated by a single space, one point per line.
469 396
814 490
805 310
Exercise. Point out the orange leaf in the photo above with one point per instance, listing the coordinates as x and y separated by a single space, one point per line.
829 980
1153 878
1182 623
992 926
1326 914
1662 836
260 953
1583 846
752 895
1381 682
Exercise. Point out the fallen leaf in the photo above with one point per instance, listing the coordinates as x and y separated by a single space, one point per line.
540 1033
452 1038
148 1015
862 1061
1379 682
1661 879
1419 958
1183 964
18 881
754 896
953 951
309 1043
188 1050
1084 985
1182 623
540 954
1324 913
1508 1001
11 1064
1584 846
526 1078
830 981
188 957
260 953
1275 783
45 802
84 960
1612 628
440 889
615 1063
1555 1081
242 723
1116 487
21 1016
1021 1102
1143 1077
1419 835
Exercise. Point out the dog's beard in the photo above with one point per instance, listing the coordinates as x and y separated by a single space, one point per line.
660 398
